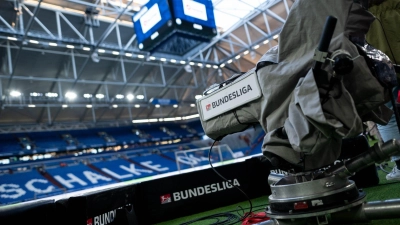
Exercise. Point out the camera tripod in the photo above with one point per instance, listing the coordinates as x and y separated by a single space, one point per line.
328 196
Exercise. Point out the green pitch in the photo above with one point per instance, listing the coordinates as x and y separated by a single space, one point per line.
385 190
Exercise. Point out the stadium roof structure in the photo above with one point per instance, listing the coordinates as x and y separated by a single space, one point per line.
50 76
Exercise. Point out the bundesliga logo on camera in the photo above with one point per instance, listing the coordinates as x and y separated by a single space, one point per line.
165 198
208 107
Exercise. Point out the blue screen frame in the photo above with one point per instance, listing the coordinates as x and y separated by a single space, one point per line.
165 17
179 13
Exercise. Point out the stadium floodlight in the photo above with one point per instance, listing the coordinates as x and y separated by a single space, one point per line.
256 46
175 106
157 105
70 46
246 52
89 106
12 38
163 59
51 95
230 61
140 56
137 106
35 94
128 54
222 65
87 95
99 96
275 37
140 121
70 95
64 106
208 66
168 119
198 96
173 60
130 97
152 58
215 67
182 62
115 53
115 106
140 96
190 117
119 96
200 64
34 41
237 57
53 44
31 106
191 63
15 93
192 105
101 50
86 49
153 120
265 42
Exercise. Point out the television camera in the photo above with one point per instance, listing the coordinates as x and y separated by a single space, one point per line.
308 97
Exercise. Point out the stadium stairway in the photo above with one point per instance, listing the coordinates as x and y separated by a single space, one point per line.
50 178
93 167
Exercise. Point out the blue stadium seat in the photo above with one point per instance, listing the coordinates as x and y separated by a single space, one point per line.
178 130
10 144
123 170
156 163
79 177
24 186
45 141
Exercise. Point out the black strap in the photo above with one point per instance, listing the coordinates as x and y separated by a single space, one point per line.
131 216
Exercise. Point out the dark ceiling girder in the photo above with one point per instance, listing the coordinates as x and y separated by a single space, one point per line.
30 22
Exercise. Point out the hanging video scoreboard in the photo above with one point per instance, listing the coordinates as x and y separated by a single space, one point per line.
158 20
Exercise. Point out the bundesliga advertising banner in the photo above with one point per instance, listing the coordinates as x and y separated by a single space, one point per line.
193 192
105 207
147 202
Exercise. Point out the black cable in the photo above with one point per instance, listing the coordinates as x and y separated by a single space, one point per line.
230 218
254 207
228 214
226 180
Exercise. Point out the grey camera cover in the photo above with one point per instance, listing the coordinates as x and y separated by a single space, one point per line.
314 130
